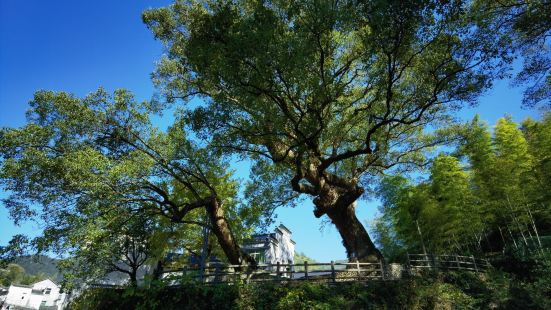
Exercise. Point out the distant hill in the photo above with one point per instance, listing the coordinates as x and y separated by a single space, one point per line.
38 264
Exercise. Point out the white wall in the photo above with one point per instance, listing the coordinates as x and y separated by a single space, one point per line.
54 298
18 296
286 248
25 297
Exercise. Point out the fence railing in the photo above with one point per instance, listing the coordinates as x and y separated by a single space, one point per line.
319 272
333 272
447 262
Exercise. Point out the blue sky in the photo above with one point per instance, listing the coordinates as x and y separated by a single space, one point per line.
78 46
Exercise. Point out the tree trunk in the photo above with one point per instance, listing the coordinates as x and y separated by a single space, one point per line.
421 236
133 278
224 235
339 203
354 236
158 271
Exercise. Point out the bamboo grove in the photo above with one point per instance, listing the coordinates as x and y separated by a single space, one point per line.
489 195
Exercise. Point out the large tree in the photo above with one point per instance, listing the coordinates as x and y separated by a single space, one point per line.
92 160
332 93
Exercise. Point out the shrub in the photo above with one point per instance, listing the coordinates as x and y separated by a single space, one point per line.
451 290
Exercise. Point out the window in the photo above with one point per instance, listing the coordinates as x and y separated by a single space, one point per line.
47 291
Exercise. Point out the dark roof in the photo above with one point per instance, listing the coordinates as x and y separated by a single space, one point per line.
281 226
260 238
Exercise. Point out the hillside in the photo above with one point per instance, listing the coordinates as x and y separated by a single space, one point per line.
40 264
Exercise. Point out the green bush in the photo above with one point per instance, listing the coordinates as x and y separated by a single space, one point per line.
450 290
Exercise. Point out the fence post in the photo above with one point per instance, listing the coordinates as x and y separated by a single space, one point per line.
487 264
458 264
306 270
474 263
206 272
382 269
217 277
333 275
408 266
248 274
427 260
278 273
358 268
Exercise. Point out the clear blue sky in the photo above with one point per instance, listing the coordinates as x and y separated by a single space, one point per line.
77 46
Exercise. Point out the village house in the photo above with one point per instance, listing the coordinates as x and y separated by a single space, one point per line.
43 295
266 249
273 247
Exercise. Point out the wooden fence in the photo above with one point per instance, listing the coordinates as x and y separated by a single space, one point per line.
318 272
332 272
447 262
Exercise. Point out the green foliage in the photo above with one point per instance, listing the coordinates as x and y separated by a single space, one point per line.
540 289
92 169
538 136
526 283
385 236
528 26
301 258
159 296
267 190
15 247
438 213
499 201
123 247
332 94
454 290
15 274
41 264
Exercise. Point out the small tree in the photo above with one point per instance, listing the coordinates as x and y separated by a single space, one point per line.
119 242
83 159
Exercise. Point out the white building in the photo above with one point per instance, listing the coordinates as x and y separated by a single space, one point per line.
41 295
272 248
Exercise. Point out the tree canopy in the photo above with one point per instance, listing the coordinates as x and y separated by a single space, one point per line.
332 93
331 100
95 165
15 274
528 25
